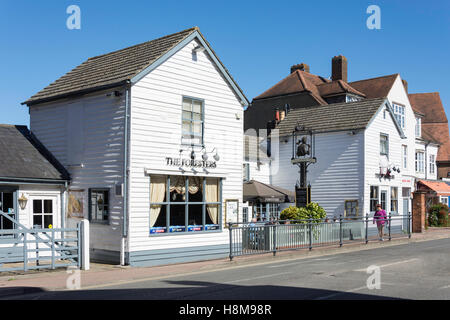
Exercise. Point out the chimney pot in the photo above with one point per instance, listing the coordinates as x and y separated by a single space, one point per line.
339 68
301 67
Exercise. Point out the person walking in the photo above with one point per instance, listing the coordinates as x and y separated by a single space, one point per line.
380 218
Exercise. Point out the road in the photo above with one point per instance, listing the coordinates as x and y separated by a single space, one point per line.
417 270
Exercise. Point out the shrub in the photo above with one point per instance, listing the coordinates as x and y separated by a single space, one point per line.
311 211
438 215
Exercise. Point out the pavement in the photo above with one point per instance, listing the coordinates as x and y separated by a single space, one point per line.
103 276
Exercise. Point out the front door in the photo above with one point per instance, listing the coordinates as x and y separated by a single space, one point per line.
405 213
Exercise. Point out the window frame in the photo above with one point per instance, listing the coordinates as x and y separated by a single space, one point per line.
42 214
186 204
432 163
356 208
399 115
387 144
420 163
202 121
404 156
394 199
14 215
377 199
90 215
418 127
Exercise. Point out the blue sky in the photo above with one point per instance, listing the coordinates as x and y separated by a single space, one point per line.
258 41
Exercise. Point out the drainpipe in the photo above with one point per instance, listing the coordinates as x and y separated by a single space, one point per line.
125 176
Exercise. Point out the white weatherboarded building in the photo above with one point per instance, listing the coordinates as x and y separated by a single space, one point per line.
152 138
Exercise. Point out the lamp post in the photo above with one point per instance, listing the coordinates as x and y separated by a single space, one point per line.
303 155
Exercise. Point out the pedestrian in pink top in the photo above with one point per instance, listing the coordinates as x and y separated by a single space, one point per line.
380 218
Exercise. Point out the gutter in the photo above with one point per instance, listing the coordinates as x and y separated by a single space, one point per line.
75 93
31 180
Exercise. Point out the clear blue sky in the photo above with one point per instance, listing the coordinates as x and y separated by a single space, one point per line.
258 41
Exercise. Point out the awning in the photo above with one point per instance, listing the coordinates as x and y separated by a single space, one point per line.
255 191
441 188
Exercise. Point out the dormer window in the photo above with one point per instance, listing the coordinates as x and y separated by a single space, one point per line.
399 112
418 127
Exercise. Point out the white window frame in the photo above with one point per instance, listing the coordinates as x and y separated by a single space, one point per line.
191 137
420 163
444 200
399 112
418 127
387 145
404 156
432 163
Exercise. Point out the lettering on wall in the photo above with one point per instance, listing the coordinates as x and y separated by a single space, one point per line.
179 162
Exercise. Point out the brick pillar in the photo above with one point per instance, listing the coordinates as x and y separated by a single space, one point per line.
418 212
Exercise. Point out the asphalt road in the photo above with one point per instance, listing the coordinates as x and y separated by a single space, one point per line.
417 270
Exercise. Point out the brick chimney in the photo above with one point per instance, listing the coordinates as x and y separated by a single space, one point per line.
339 68
405 84
301 67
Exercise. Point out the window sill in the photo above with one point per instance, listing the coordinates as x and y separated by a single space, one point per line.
165 234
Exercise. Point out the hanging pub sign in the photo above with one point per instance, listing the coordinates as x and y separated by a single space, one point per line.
179 162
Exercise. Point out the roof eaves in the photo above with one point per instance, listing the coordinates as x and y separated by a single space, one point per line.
195 34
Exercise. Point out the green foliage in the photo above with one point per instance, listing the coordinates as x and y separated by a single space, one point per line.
438 215
311 211
289 213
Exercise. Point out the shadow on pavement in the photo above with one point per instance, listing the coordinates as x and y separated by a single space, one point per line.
199 290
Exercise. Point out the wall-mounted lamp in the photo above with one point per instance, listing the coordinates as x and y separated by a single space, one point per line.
23 202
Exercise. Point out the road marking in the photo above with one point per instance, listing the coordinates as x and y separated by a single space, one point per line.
389 264
445 287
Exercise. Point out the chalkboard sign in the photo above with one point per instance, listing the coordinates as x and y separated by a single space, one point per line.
302 196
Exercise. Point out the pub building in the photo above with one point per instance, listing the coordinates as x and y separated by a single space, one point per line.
152 138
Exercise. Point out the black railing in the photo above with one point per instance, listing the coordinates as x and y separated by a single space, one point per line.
275 236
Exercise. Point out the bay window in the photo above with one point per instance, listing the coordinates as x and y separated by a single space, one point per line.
184 204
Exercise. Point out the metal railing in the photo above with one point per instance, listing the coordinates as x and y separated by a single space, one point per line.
26 249
282 235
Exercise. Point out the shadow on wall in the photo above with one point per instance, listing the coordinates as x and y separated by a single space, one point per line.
199 290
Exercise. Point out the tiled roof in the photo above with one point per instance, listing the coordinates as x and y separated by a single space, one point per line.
332 117
297 81
337 87
375 87
430 105
434 122
112 68
23 156
438 186
115 68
